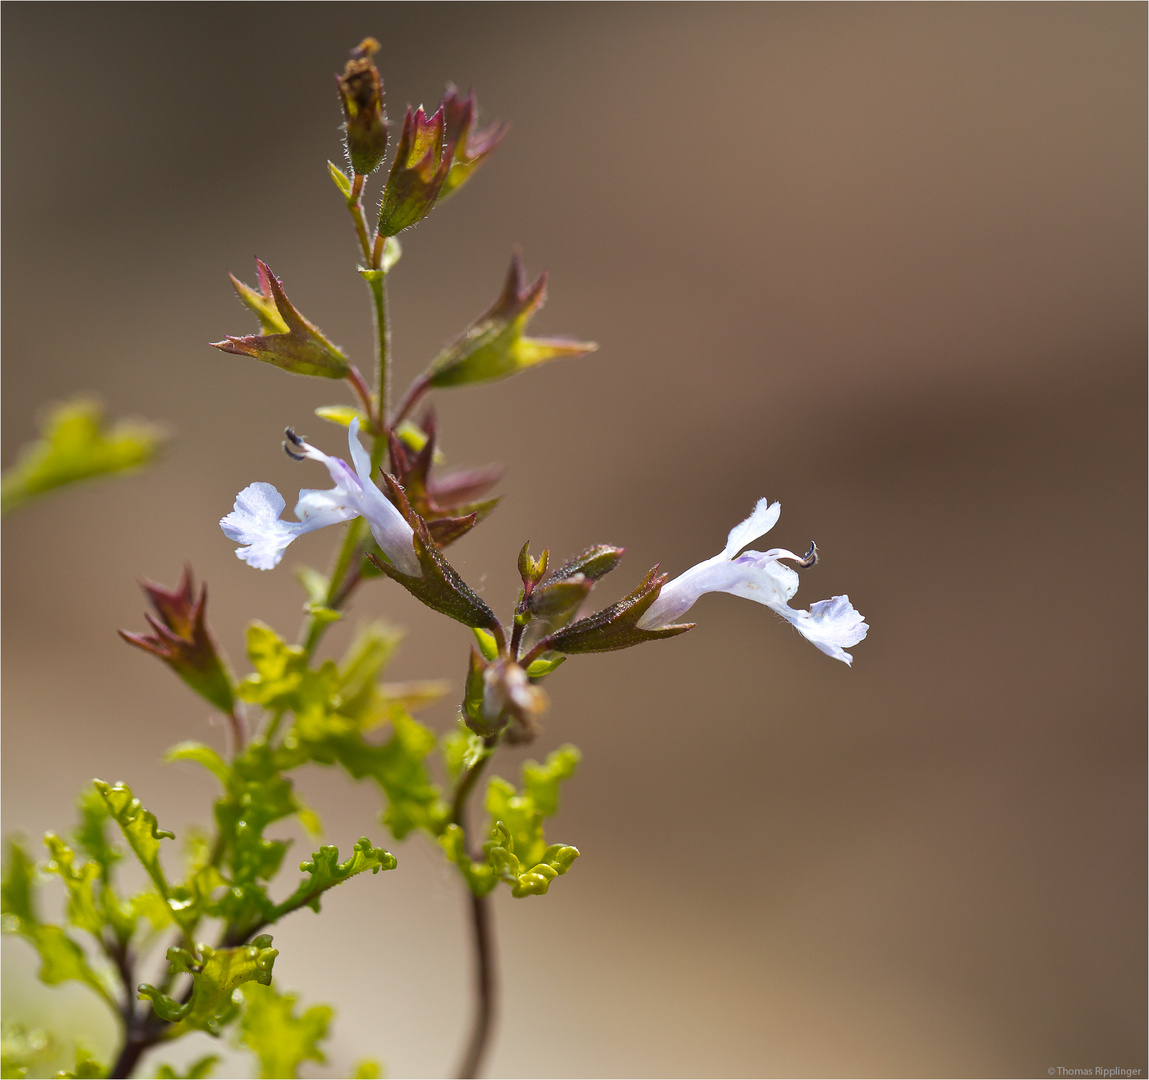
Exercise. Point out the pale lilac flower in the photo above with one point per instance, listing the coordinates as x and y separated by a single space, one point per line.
832 625
256 523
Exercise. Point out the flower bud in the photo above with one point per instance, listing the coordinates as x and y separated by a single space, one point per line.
422 161
182 640
365 122
447 504
500 694
530 568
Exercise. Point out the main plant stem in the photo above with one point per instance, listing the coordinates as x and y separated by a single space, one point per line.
486 990
482 937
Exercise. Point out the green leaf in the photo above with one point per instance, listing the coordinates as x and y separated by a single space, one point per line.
202 755
341 415
480 876
325 872
279 668
86 1069
216 975
315 584
143 834
413 801
342 180
544 665
486 641
367 1070
281 1038
197 1070
76 445
83 912
91 835
462 749
542 781
61 958
258 796
494 346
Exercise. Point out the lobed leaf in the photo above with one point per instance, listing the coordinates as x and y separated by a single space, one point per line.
143 834
325 872
216 974
516 851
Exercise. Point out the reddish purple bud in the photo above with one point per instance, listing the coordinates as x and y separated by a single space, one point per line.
422 161
469 148
289 341
181 639
447 505
365 121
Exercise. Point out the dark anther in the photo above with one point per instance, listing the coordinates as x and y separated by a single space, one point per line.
294 440
810 557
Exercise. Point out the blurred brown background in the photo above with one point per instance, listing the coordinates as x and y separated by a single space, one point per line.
883 263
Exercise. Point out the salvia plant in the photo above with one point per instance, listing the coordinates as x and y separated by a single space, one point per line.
201 928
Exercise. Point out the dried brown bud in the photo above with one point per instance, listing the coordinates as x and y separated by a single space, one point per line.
365 121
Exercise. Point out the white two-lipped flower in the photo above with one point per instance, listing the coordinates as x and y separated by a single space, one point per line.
256 524
832 625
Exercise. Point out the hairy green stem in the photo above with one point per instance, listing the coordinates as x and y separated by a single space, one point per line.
355 205
378 286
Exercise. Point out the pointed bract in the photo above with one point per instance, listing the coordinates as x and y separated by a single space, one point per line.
181 639
289 341
439 587
616 627
365 121
494 346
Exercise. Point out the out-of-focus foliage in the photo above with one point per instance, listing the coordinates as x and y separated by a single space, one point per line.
279 1036
76 444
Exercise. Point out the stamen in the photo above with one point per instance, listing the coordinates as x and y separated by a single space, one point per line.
805 561
294 441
